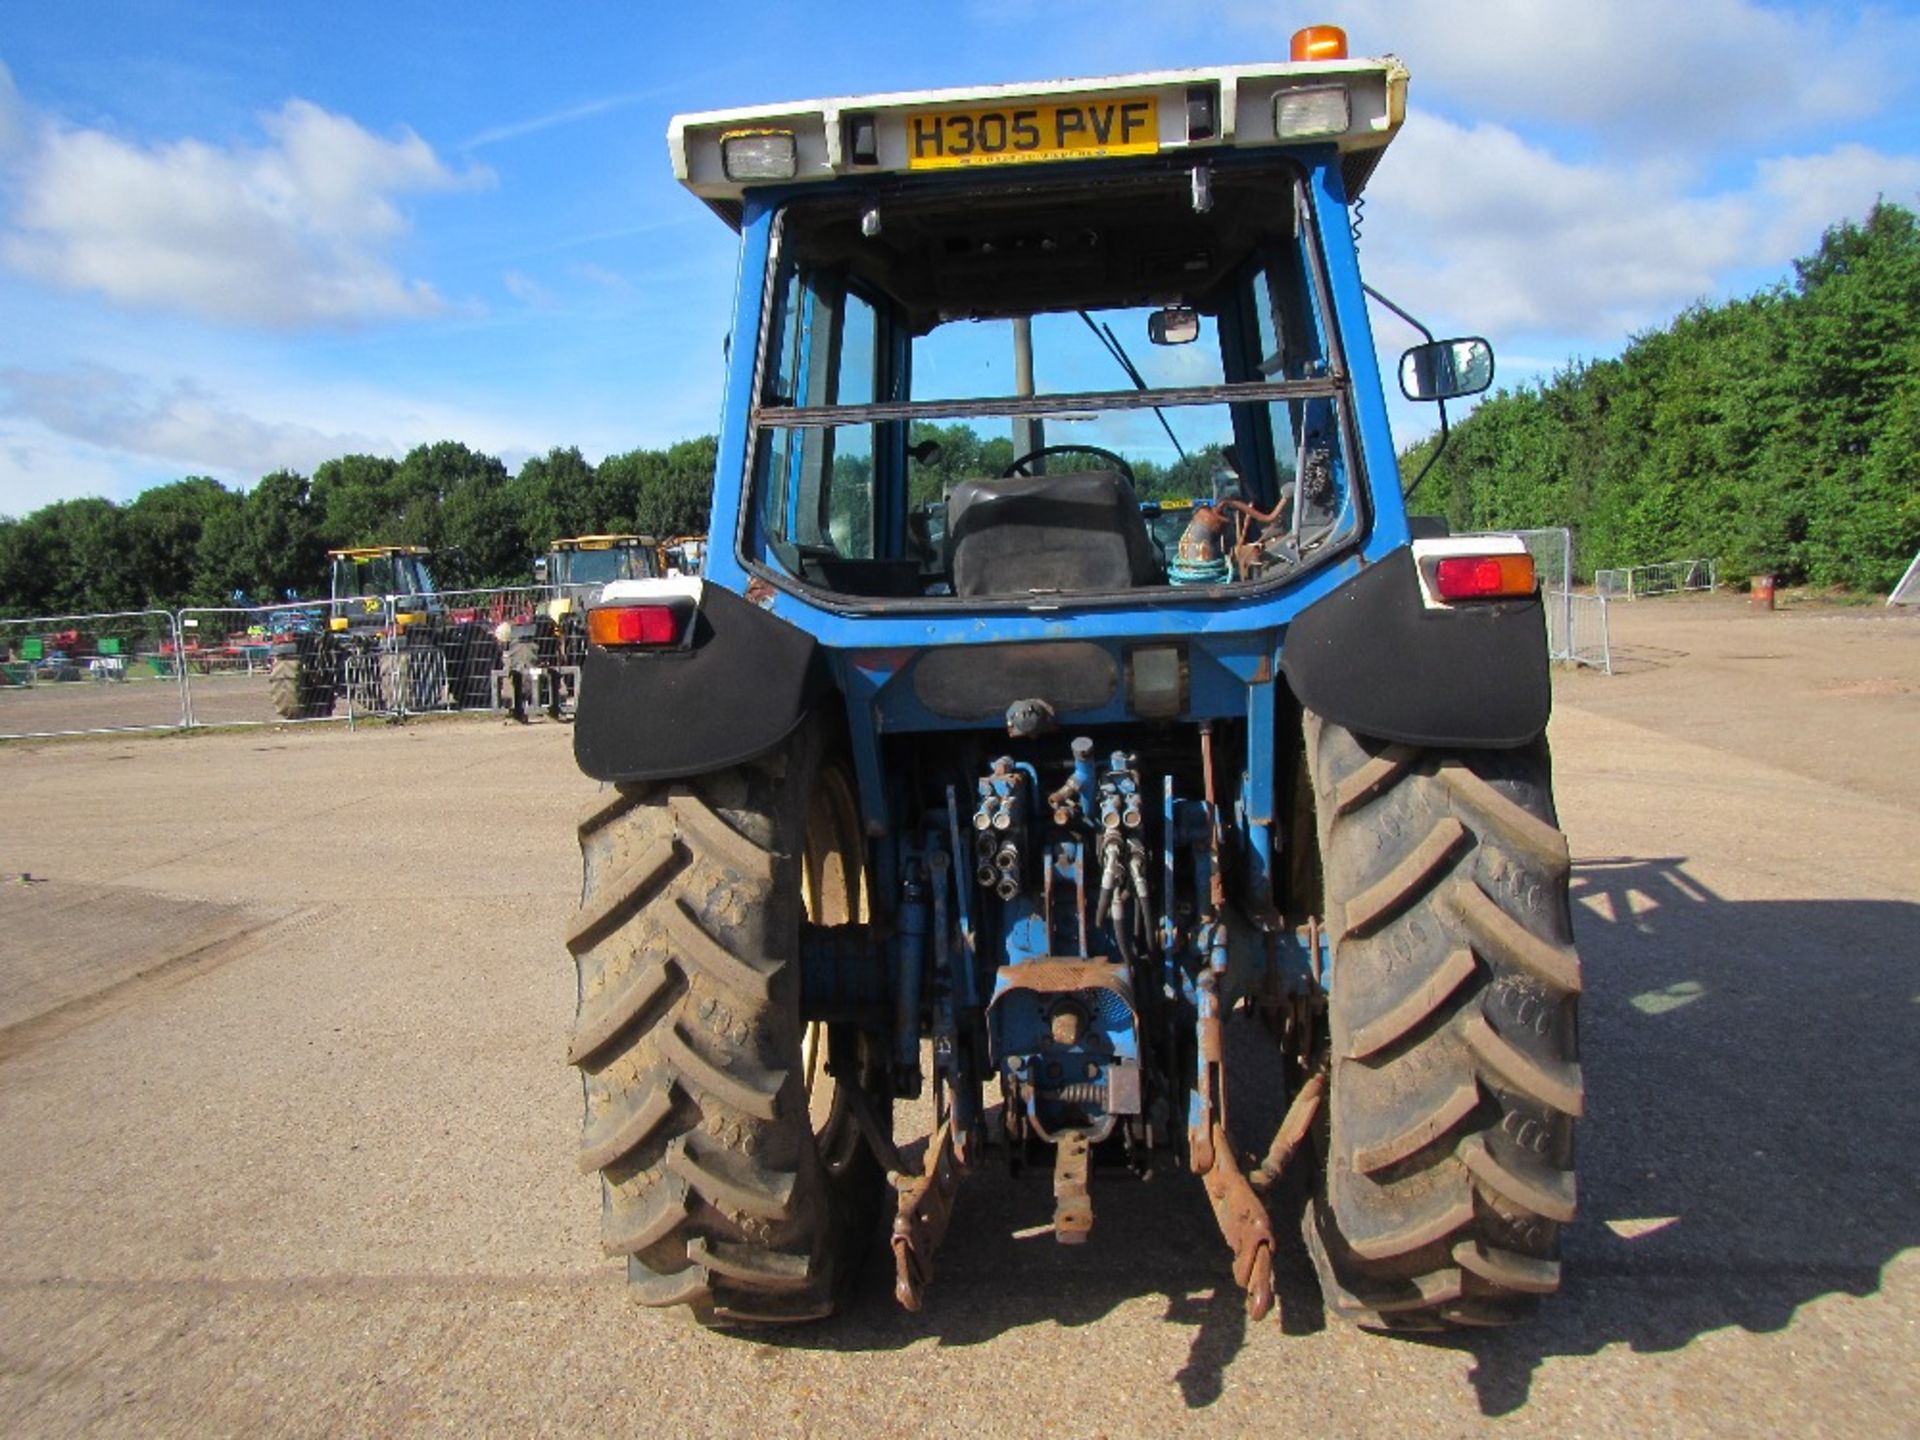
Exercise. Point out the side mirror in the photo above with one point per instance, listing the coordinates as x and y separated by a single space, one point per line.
1175 325
540 570
1446 369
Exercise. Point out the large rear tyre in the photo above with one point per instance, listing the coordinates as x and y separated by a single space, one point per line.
297 690
472 656
1454 1078
735 1178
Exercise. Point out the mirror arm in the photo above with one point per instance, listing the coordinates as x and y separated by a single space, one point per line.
1414 484
1427 334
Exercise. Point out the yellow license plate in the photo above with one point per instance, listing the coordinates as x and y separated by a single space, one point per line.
1016 134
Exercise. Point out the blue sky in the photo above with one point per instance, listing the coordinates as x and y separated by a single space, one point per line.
235 237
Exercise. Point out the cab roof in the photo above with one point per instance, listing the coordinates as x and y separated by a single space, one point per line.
1185 112
377 552
604 542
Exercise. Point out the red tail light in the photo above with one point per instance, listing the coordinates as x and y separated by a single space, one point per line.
649 624
1483 577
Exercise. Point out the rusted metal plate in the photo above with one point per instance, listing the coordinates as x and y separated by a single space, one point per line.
1243 1221
1072 1204
920 1222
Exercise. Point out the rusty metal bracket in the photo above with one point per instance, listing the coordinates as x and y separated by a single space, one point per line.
1243 1222
1293 1129
920 1223
1072 1204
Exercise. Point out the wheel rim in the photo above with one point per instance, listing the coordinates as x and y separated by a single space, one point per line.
833 892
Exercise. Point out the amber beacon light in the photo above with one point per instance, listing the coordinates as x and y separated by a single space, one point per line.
1319 42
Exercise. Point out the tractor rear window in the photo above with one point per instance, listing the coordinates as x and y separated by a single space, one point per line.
1037 390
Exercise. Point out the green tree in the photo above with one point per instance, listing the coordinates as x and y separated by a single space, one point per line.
162 531
355 496
561 498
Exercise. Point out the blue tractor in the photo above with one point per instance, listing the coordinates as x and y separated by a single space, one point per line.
1068 710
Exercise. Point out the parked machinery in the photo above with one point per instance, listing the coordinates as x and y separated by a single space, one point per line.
384 639
1095 819
546 644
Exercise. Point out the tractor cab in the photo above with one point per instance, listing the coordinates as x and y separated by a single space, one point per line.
590 561
363 579
997 333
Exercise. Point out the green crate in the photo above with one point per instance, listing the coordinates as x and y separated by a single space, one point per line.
33 648
110 644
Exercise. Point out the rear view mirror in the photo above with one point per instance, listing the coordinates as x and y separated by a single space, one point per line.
1175 325
1446 369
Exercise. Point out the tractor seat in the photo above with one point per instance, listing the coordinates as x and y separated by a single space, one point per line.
1078 531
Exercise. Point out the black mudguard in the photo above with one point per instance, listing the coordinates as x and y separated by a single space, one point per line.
744 685
1372 657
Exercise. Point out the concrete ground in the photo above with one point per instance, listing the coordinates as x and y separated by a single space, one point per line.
287 1143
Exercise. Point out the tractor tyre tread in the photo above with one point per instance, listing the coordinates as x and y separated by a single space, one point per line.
687 1039
1454 1070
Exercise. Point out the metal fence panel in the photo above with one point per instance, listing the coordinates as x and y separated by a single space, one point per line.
233 676
1576 623
484 638
1667 578
1552 551
379 655
78 674
1585 639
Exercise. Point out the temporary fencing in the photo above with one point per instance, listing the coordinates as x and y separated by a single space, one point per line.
1636 582
363 656
1576 623
275 664
72 674
306 661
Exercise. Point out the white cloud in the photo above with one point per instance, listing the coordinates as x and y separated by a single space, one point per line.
1479 228
586 110
289 234
1801 195
13 121
603 277
1676 75
178 423
525 289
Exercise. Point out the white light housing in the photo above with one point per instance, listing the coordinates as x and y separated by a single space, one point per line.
1311 110
759 155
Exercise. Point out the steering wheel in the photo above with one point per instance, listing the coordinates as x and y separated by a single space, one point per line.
1019 465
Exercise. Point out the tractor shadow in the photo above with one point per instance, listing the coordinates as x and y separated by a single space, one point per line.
1749 1144
1748 1149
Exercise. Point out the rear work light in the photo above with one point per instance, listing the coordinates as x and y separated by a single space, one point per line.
759 155
1300 114
653 623
1483 577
